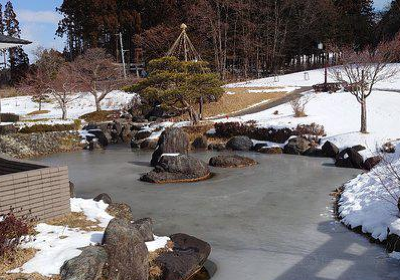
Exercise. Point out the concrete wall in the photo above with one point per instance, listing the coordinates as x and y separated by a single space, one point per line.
41 190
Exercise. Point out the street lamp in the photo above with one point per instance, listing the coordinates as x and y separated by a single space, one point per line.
321 47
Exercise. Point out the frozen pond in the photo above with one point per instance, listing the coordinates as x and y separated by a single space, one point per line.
268 222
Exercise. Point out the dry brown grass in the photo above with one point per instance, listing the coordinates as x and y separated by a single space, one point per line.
34 113
241 100
155 271
198 130
76 220
20 257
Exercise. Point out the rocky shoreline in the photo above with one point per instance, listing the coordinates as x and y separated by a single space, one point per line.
18 145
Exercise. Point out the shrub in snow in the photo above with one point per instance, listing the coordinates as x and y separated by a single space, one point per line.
13 232
299 106
313 132
9 117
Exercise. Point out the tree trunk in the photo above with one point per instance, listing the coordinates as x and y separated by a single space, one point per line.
364 116
97 101
64 112
194 116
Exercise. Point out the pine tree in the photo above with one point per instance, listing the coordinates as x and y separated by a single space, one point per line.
1 20
177 86
18 59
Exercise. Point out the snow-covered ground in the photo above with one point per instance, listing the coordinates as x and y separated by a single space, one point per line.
339 112
308 79
81 104
370 201
57 244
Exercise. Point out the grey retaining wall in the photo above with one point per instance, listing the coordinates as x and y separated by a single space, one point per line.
28 187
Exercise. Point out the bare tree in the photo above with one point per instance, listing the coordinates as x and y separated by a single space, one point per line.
98 73
40 77
361 71
64 86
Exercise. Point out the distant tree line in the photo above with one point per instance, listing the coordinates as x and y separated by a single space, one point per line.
239 38
17 59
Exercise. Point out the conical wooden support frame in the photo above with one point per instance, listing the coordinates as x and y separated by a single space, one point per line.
183 47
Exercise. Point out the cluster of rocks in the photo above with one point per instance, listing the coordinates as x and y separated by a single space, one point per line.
100 135
30 145
172 162
123 254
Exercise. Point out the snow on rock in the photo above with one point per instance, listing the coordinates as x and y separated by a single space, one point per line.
93 210
365 202
57 244
159 242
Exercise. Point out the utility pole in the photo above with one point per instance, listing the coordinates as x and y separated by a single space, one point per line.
122 54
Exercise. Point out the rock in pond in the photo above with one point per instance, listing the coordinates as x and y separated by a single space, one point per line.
200 143
216 147
172 140
103 197
271 150
349 158
231 161
187 258
240 143
127 251
87 266
372 162
297 146
330 150
181 168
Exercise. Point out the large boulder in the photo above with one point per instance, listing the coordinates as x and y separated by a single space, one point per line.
127 251
349 158
314 152
172 140
240 143
330 150
297 146
103 197
145 227
181 168
200 143
149 144
372 162
99 134
143 134
231 161
188 257
87 266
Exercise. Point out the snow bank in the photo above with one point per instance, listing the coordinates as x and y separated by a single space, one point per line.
57 244
365 202
82 103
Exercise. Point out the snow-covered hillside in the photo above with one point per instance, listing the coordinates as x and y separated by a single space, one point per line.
339 112
310 78
82 103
